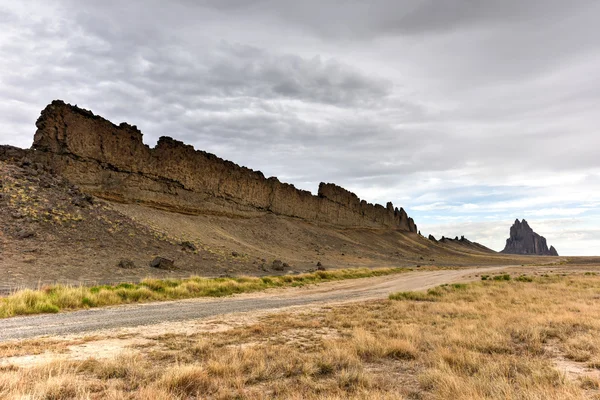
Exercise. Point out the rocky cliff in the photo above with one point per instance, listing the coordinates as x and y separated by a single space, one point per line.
112 162
523 240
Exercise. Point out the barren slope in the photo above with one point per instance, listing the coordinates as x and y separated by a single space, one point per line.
51 232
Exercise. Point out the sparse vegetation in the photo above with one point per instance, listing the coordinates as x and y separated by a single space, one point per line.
486 340
502 277
26 201
412 296
524 278
52 299
433 294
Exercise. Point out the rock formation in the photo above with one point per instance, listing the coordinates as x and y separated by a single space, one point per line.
112 162
523 240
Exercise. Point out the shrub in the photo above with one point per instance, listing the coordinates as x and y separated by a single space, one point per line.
87 302
411 296
459 286
266 280
524 278
438 291
47 309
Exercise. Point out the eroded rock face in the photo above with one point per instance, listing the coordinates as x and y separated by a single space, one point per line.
523 240
112 162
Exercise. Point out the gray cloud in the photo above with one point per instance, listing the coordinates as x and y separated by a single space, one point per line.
384 17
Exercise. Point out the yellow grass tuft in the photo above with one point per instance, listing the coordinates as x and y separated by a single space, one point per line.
53 299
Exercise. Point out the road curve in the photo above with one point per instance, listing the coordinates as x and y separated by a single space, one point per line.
91 320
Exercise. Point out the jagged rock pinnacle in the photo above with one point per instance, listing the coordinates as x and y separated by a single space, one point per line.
523 240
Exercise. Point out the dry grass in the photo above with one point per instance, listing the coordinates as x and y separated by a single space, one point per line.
52 299
487 340
32 347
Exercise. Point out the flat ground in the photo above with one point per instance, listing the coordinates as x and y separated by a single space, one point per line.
535 336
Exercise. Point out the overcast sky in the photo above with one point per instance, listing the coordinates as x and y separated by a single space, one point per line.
468 114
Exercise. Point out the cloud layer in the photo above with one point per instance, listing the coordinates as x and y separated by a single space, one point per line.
467 114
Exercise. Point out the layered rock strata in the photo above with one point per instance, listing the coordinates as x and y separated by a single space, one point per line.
112 162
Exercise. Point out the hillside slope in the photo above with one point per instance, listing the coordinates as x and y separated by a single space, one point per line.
73 211
52 232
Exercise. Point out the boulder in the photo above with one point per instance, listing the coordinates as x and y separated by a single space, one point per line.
187 245
162 263
82 200
277 265
25 233
126 264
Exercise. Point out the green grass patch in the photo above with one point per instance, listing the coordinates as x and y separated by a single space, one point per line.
55 298
433 294
412 296
459 286
437 293
524 278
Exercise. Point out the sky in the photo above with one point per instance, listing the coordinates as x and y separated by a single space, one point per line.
469 114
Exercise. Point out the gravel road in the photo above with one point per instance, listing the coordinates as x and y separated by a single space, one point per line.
87 321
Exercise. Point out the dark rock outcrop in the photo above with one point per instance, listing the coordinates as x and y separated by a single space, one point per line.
523 240
112 162
278 265
162 263
126 264
188 246
463 243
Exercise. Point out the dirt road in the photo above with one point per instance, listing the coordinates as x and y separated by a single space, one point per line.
177 311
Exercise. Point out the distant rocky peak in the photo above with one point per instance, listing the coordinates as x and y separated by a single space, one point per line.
523 240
